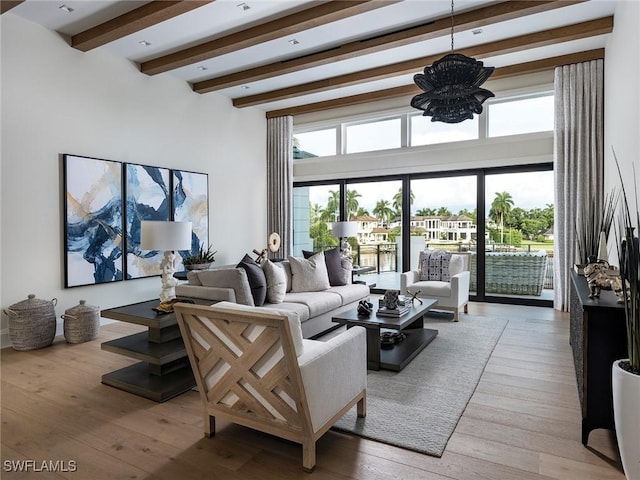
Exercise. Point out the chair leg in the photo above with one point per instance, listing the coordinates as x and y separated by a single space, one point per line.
308 455
362 406
455 315
209 425
466 308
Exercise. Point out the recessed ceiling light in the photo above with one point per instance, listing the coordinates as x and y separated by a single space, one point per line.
244 6
66 8
477 31
202 68
293 41
144 43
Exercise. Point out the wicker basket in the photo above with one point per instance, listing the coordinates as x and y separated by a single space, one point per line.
81 323
32 323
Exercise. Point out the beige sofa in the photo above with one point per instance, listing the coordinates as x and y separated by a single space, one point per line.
314 309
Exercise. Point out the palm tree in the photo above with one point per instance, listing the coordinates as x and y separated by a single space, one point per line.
331 212
443 212
352 203
383 211
500 207
397 199
426 212
362 212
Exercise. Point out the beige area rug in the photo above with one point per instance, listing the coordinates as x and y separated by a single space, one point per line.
419 407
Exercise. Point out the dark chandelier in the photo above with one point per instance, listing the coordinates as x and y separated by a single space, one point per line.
451 87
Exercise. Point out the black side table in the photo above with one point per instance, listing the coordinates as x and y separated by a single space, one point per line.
164 370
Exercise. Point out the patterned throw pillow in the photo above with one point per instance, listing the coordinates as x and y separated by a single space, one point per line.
434 265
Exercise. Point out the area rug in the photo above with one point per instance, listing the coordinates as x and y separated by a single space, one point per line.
419 407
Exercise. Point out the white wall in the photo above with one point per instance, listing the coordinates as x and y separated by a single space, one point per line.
57 100
622 97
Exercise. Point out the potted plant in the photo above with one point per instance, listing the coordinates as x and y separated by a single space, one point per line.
591 225
200 260
626 372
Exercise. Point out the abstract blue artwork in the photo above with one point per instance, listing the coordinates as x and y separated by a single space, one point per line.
93 223
147 193
190 197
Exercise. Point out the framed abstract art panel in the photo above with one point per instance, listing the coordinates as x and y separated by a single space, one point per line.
147 194
93 227
190 197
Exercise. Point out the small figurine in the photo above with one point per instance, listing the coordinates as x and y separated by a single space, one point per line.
414 297
365 308
597 279
391 299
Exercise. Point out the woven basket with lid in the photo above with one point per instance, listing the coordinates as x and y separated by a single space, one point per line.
32 323
81 323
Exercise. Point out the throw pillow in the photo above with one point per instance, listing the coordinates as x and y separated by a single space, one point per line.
257 280
334 265
276 281
309 275
434 265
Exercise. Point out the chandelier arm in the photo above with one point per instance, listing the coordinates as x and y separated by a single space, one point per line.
451 26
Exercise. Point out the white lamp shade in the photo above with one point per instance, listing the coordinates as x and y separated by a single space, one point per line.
344 229
157 235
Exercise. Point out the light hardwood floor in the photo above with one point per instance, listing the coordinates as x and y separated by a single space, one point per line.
523 421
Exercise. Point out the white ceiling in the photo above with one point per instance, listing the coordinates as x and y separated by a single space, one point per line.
223 17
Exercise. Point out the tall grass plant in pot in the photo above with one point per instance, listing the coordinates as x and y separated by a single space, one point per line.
626 372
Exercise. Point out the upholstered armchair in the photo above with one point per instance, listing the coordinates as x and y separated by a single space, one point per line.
451 295
252 367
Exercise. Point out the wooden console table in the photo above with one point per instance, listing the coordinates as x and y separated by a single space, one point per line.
598 337
164 370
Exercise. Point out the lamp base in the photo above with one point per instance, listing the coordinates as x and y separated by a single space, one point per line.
169 282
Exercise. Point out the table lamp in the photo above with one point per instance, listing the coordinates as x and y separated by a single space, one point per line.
168 237
343 230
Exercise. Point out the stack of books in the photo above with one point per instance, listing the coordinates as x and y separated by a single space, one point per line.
393 312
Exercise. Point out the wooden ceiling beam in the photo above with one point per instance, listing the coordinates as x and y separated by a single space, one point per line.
411 90
294 23
6 5
463 21
539 39
142 17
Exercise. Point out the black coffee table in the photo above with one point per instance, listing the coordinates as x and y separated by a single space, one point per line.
400 354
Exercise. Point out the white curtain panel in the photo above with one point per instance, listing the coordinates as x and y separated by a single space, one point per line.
578 161
280 182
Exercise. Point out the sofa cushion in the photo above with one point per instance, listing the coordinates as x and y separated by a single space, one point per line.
292 318
317 302
287 270
456 265
351 293
257 280
192 278
276 281
300 308
431 288
333 264
309 275
234 278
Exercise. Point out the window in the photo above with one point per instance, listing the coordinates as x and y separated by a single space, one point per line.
525 115
380 135
513 115
314 209
425 132
318 143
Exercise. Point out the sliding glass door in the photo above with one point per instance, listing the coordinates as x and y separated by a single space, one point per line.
519 235
443 215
